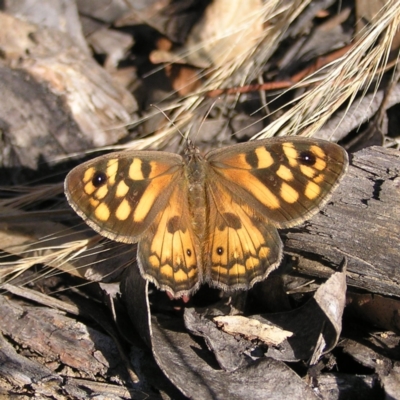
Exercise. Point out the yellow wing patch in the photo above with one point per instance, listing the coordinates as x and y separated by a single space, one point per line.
285 173
257 189
288 194
291 153
102 212
123 211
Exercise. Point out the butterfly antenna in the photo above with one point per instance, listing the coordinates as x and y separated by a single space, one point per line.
169 120
204 118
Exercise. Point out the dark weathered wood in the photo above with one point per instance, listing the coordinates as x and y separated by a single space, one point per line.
19 371
56 337
361 223
22 375
45 351
340 385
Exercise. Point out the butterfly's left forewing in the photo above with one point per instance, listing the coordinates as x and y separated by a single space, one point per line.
286 180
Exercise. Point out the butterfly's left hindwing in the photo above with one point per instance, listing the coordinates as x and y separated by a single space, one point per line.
242 247
120 194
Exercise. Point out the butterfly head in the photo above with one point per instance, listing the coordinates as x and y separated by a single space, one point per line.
192 152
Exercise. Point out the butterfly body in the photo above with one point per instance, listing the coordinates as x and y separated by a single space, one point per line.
207 219
195 176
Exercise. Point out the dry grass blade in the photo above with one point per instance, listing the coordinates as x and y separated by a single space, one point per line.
244 67
276 17
332 86
27 196
344 78
38 242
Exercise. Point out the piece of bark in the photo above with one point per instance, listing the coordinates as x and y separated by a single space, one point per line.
57 337
61 15
20 371
335 386
361 223
59 357
35 124
24 376
104 10
100 107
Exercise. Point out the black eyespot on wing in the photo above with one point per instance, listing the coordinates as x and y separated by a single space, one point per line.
99 179
220 251
307 158
189 252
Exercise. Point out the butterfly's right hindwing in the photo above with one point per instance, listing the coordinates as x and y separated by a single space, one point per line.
169 252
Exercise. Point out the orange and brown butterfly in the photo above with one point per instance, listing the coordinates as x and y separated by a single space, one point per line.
207 219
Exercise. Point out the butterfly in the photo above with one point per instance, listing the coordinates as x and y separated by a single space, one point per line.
207 219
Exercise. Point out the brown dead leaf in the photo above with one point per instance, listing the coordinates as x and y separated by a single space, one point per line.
184 78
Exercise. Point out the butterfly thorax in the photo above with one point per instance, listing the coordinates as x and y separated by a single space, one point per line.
196 176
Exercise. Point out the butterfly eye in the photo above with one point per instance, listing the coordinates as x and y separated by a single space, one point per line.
99 179
307 158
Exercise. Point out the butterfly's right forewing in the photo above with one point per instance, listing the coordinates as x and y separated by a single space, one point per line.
120 195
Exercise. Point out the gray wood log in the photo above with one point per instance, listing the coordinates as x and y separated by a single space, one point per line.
361 223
